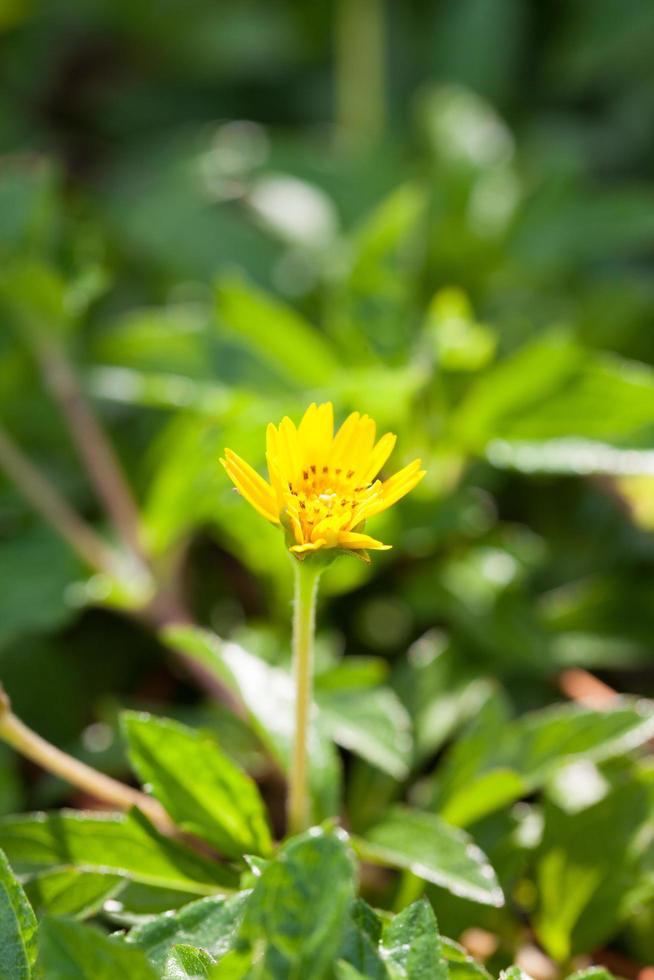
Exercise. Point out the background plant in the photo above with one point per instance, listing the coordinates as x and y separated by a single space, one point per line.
189 249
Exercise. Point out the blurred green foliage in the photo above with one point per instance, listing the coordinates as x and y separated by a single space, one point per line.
183 219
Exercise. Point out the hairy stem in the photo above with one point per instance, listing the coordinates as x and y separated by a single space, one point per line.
307 576
54 509
103 788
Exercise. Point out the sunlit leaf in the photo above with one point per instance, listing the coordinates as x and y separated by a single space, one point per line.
17 927
204 792
431 849
110 844
296 913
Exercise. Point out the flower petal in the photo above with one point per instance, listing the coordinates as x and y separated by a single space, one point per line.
396 487
253 487
378 457
274 464
289 451
316 434
343 438
300 549
353 443
355 541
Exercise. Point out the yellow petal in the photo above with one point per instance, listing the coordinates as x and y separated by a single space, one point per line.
395 488
353 443
343 438
289 452
274 467
378 457
355 541
330 528
300 549
361 446
316 433
253 487
293 516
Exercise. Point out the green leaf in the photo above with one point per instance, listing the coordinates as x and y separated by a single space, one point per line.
204 792
36 297
371 309
71 951
210 923
514 973
487 793
345 971
352 673
594 866
552 389
276 333
187 963
412 945
359 948
438 691
489 769
534 376
73 893
36 569
431 849
459 342
138 901
235 965
298 908
109 844
460 965
267 693
373 724
367 920
17 927
169 339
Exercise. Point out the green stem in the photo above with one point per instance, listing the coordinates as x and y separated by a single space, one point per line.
307 575
360 101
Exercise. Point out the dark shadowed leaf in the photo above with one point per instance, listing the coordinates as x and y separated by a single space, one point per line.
71 951
360 944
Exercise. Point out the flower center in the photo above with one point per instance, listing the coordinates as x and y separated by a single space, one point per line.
326 500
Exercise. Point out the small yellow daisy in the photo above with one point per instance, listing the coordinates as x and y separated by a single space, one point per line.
323 486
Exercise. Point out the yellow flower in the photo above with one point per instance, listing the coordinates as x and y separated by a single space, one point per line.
323 487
